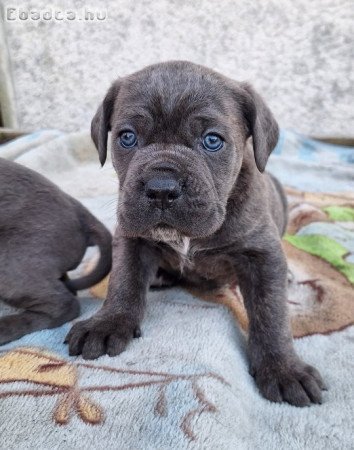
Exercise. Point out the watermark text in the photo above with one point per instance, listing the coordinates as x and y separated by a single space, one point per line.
14 13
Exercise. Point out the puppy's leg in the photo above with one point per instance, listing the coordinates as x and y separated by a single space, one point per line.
118 321
46 305
278 371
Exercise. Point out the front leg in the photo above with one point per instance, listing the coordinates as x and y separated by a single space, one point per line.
118 321
278 371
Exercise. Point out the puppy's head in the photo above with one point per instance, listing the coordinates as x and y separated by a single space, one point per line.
179 133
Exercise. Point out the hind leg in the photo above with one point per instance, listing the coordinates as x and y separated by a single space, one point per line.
50 305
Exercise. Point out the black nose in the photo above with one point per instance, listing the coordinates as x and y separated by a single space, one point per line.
163 191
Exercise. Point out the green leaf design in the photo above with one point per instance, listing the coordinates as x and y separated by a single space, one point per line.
340 213
326 248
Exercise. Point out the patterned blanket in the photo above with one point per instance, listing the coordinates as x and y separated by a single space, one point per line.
185 383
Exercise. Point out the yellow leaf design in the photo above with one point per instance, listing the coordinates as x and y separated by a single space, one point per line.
89 411
61 413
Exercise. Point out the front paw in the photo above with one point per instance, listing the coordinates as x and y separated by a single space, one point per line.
101 335
292 381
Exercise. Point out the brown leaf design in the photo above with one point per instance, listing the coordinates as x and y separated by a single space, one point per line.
51 366
161 405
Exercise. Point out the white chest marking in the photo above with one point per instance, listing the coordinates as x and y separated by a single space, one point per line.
180 244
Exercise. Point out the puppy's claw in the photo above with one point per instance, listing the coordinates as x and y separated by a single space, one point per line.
137 333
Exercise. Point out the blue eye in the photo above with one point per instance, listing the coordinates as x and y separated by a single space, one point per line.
212 142
128 139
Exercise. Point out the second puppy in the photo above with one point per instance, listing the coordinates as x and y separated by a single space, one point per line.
44 234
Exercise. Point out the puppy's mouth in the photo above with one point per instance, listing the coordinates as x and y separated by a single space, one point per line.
139 219
164 226
165 210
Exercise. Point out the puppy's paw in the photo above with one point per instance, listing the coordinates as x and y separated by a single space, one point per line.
101 335
293 382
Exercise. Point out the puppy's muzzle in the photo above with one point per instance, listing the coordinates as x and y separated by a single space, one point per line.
162 192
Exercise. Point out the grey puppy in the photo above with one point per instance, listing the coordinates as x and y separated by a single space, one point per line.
190 147
43 234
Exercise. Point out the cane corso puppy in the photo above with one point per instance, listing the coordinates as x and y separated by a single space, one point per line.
43 234
190 147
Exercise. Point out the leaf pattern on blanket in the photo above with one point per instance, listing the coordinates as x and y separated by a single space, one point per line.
50 375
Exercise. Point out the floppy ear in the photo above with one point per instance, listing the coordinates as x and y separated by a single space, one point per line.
262 125
101 123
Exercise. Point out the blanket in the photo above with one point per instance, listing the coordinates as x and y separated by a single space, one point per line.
185 383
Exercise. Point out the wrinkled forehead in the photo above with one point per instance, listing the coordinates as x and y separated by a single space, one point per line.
170 97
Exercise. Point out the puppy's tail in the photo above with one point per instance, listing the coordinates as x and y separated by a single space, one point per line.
98 235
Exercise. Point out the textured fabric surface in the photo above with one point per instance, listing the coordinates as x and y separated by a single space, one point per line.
298 54
185 383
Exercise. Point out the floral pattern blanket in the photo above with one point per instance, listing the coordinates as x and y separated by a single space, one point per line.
185 383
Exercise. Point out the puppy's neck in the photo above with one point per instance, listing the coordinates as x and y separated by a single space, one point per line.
172 238
182 248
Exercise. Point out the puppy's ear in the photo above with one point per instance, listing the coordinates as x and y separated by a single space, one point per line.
261 125
101 123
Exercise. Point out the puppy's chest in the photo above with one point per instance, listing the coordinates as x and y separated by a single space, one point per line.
179 254
188 258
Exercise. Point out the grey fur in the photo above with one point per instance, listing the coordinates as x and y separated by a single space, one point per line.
231 212
44 233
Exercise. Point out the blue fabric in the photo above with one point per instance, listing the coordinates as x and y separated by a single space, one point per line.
307 164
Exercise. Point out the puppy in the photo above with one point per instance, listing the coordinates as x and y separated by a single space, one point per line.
190 148
43 234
